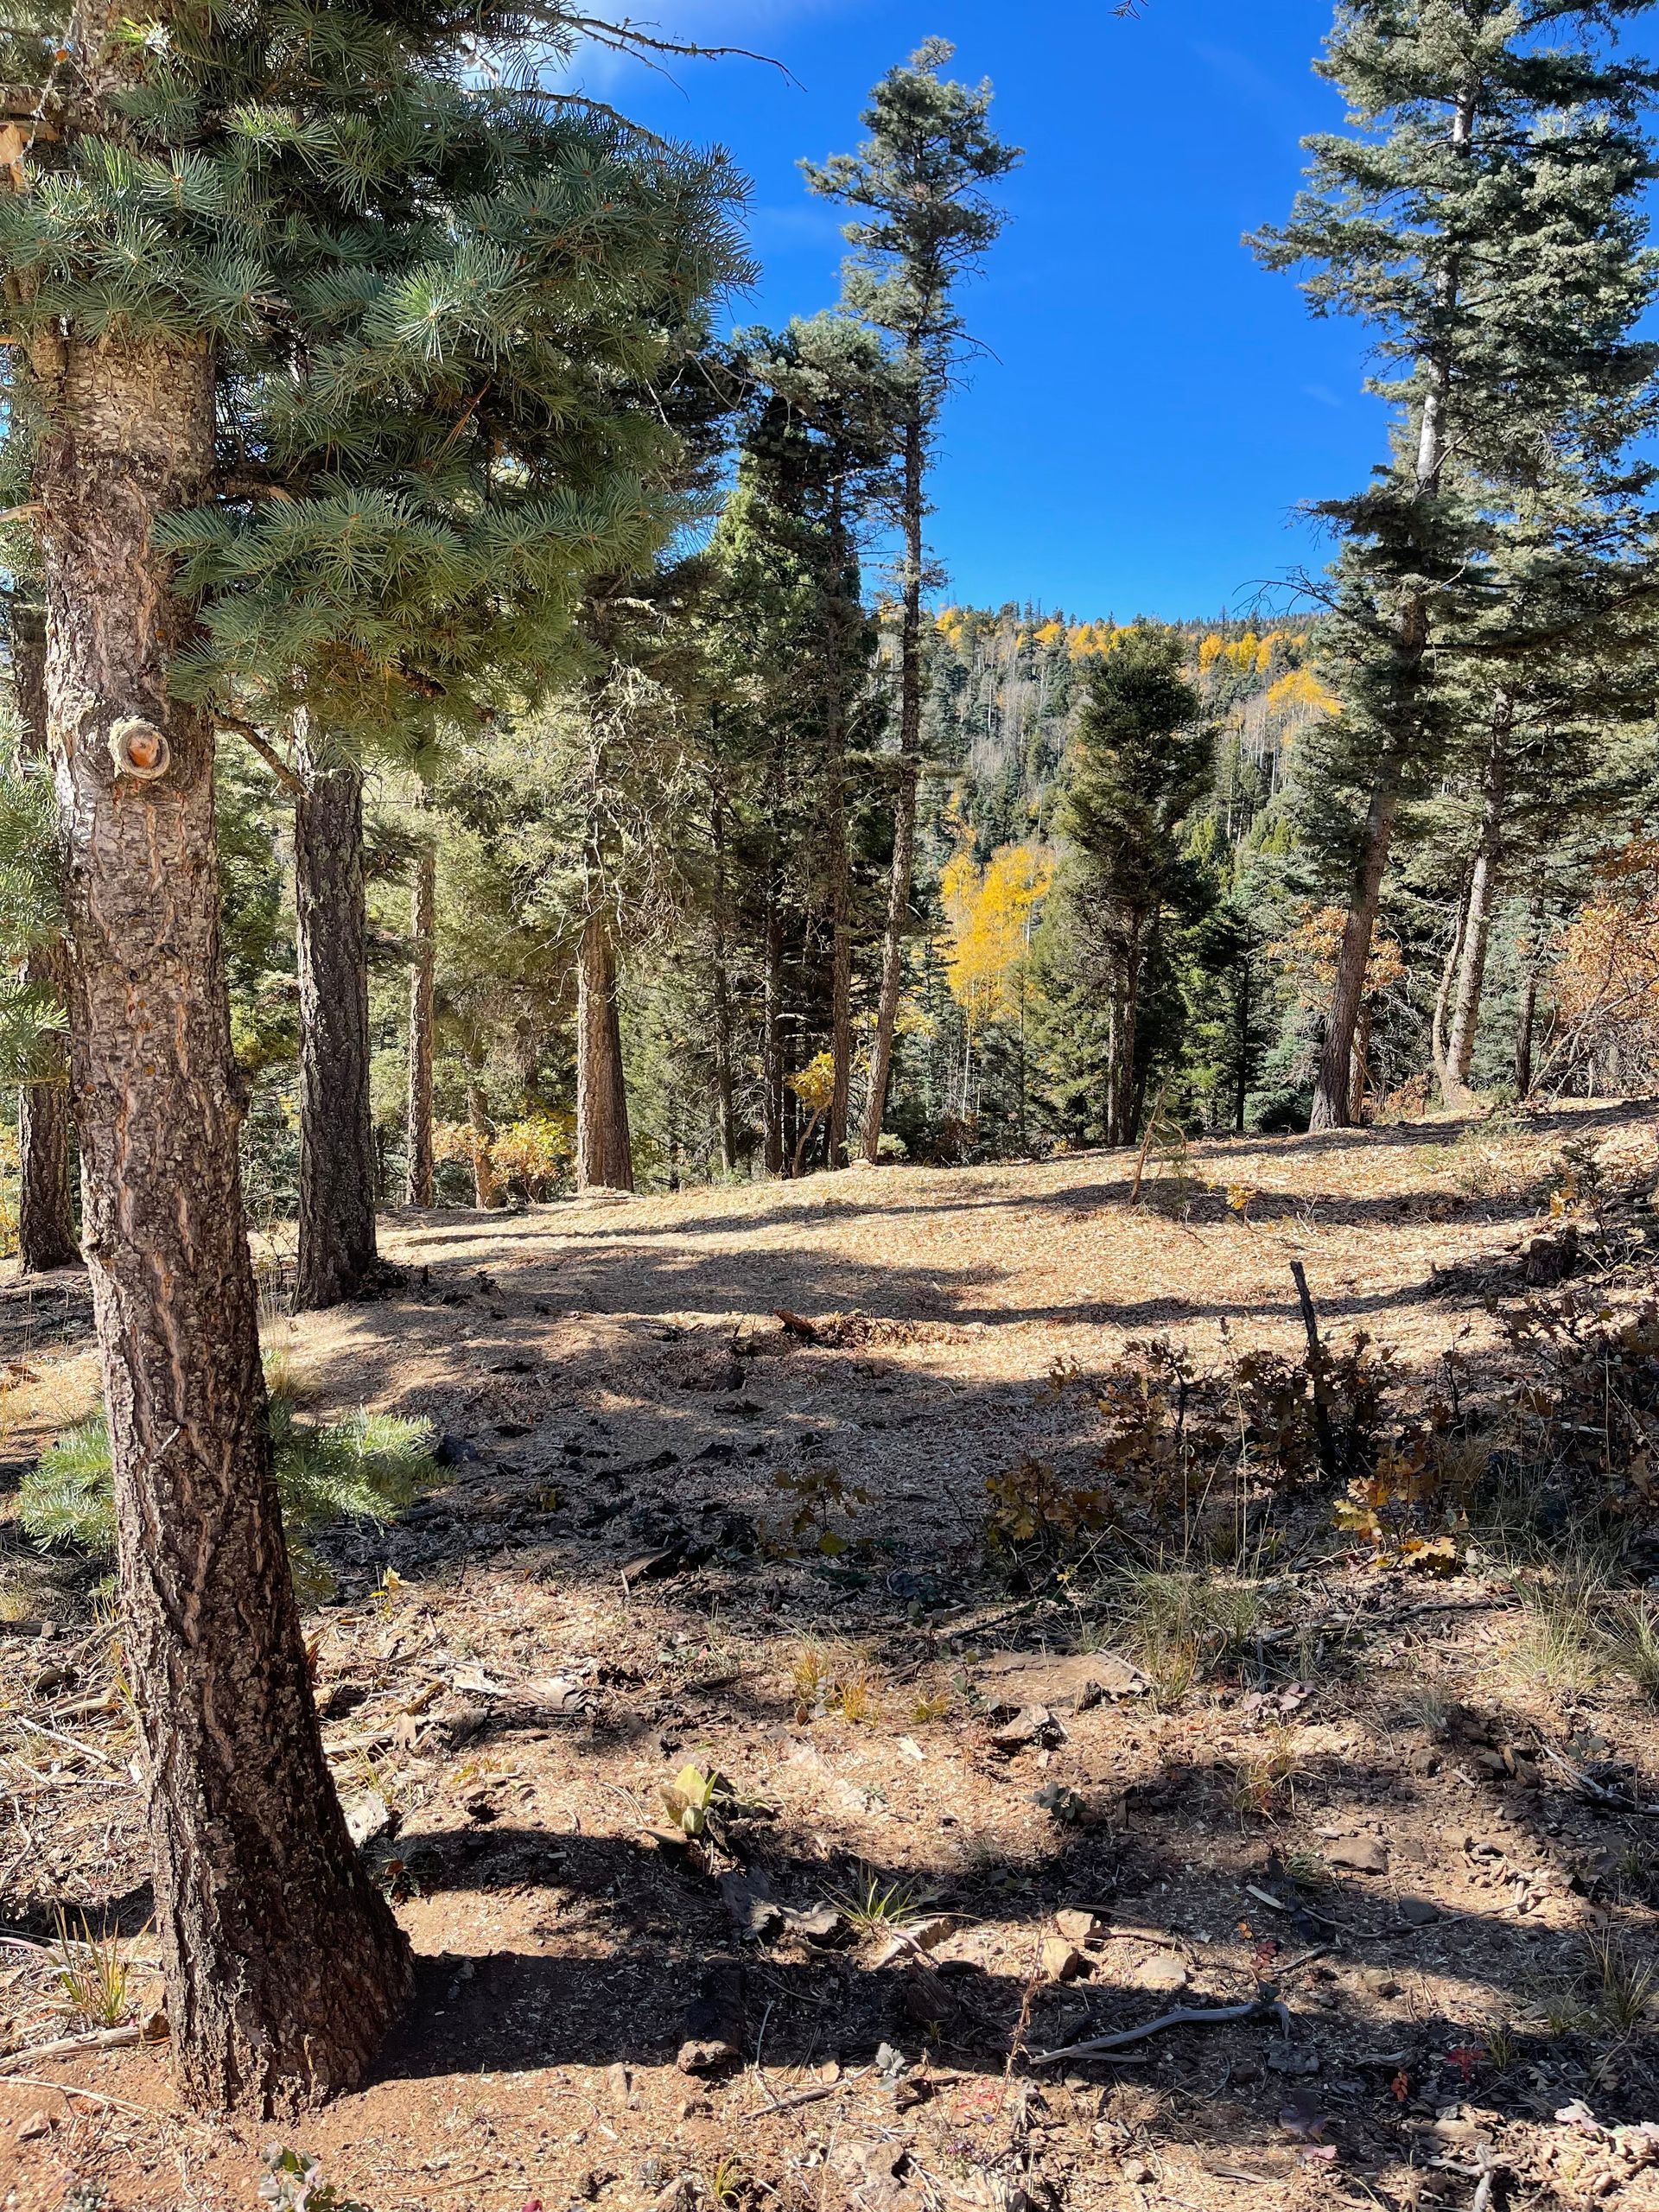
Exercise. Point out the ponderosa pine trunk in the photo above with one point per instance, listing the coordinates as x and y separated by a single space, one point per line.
772 1031
838 862
1408 649
283 1963
46 1213
725 1086
604 1150
1477 912
423 960
337 1254
905 797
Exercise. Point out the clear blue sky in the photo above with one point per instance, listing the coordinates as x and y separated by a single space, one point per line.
1155 405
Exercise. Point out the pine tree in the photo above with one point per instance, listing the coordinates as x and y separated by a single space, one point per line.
925 224
1479 218
1143 757
197 189
791 645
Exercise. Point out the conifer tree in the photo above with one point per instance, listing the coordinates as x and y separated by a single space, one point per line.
1143 757
1479 218
196 182
788 630
924 222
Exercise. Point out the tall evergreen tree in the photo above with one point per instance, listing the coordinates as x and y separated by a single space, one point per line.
924 223
1143 756
198 186
1480 217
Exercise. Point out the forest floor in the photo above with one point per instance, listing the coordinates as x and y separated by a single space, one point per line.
978 1774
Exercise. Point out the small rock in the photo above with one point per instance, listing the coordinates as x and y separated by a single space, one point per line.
1363 1854
1136 2173
368 1817
1379 1981
1074 1924
1062 1961
1419 1911
818 1924
37 2125
1033 1724
619 2084
1163 1971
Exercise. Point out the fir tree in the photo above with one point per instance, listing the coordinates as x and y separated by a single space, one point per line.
1142 758
1480 219
925 222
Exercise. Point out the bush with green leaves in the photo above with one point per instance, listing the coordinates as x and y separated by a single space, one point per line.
366 1467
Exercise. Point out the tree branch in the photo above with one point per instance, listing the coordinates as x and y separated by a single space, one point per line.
262 745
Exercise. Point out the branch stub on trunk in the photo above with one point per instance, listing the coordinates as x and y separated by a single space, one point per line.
140 750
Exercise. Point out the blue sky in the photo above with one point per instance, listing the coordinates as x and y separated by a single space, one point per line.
1154 406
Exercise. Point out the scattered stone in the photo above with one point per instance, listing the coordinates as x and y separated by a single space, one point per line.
1379 1981
619 2083
368 1817
1162 1973
1033 1724
1419 1911
1362 1854
1012 1680
1136 2173
1074 1924
1062 1961
37 2125
817 1924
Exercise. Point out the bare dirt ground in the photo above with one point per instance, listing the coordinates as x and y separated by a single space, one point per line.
961 1818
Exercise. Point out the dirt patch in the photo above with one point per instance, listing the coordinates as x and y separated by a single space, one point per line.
953 1828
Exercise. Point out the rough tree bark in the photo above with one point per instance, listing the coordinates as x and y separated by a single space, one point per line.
1478 913
725 1085
904 805
46 1214
283 1963
486 1184
772 1033
838 863
1333 1089
423 940
604 1150
337 1254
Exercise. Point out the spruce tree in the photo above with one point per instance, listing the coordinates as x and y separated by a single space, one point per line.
1478 217
1143 757
792 643
924 222
203 197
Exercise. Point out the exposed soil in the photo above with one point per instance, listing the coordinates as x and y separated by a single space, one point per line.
1383 1813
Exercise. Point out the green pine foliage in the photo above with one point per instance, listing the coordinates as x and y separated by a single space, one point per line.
368 1467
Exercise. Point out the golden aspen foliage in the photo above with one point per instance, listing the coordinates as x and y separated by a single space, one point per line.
991 913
